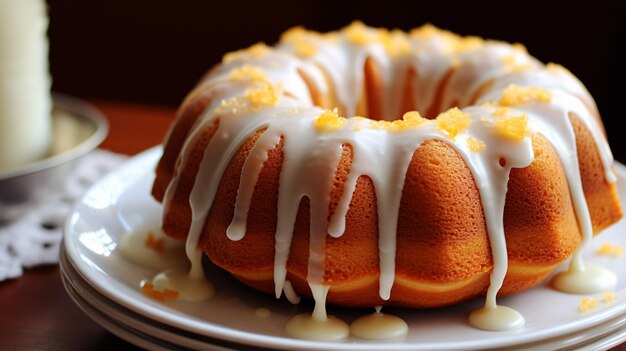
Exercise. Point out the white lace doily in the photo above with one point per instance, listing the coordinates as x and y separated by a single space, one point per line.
33 239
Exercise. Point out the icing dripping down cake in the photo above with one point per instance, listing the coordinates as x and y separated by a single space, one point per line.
463 167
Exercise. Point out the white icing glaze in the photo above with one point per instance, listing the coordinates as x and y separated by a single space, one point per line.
586 280
496 318
317 325
290 293
188 287
379 326
304 326
135 248
446 74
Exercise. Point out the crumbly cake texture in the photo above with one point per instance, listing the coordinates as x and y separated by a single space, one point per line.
300 163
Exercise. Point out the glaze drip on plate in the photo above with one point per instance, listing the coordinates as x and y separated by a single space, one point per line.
379 326
490 100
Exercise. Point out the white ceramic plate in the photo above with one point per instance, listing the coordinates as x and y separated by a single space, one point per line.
120 320
121 202
131 326
121 330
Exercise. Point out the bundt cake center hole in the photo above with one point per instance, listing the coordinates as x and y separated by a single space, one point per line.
372 103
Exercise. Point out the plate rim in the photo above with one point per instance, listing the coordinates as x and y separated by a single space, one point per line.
611 332
150 157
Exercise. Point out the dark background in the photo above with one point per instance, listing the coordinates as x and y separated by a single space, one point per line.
153 51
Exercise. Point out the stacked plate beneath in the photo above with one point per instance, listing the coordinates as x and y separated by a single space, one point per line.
107 288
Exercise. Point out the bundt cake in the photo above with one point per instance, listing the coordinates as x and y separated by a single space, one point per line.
499 182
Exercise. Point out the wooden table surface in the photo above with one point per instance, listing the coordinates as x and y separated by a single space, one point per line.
35 311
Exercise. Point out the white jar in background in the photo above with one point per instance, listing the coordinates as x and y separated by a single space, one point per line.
25 101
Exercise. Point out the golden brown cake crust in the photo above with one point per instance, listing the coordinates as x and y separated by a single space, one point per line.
539 222
443 252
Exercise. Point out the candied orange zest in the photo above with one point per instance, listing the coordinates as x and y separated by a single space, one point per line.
155 244
161 295
329 121
475 144
453 122
263 96
607 249
515 95
608 297
513 127
587 304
